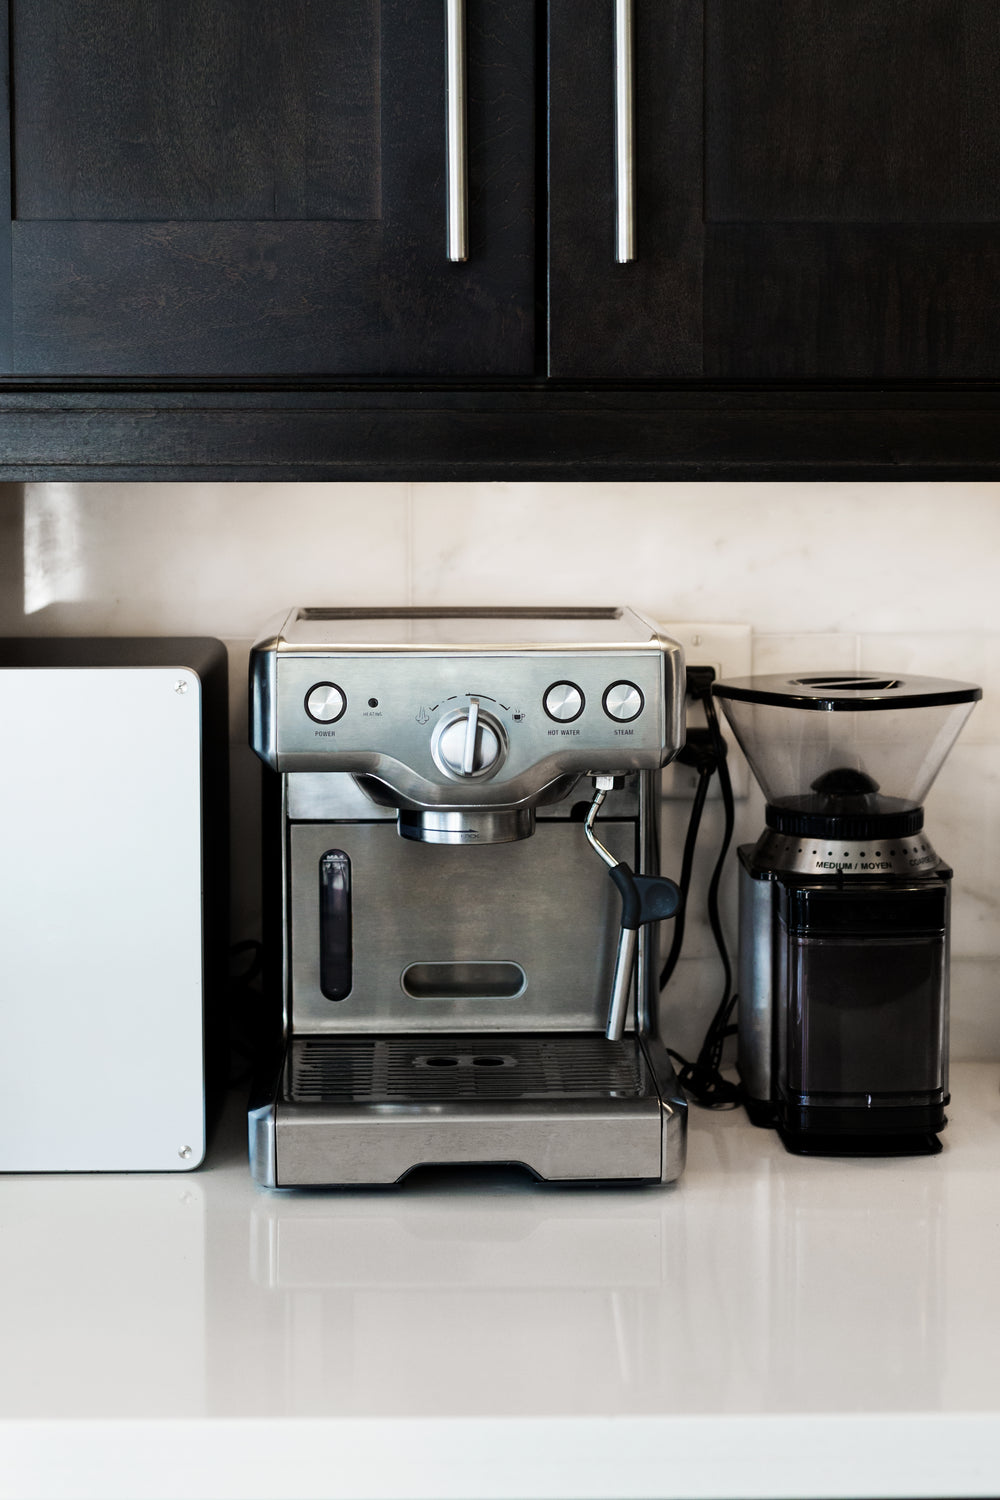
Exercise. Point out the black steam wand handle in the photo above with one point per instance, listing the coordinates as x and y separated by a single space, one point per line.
645 898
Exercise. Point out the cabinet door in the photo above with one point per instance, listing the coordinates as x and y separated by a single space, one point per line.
818 193
257 187
643 318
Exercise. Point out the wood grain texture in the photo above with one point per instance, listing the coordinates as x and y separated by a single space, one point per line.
180 298
786 301
849 111
297 289
643 319
852 189
504 432
196 109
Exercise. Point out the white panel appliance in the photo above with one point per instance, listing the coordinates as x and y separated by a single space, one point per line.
107 788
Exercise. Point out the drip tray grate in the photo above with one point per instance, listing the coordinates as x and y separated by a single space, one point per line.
410 1070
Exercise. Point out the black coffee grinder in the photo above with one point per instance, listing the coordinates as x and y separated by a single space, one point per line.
844 909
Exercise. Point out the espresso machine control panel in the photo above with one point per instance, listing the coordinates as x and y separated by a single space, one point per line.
446 723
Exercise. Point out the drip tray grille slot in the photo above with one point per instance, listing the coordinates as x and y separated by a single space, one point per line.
410 1070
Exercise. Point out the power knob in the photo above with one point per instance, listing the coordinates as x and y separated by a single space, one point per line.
623 701
326 702
469 743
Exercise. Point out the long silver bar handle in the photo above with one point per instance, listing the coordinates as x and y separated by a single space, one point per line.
455 130
624 133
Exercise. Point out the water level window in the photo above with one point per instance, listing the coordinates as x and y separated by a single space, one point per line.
336 958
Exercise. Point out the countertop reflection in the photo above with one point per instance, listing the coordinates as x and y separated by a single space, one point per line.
760 1286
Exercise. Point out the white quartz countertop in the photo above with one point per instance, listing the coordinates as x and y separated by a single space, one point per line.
769 1326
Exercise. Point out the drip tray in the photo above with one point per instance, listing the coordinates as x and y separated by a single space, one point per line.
441 1068
569 1107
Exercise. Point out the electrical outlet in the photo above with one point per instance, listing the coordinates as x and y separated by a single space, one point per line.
727 650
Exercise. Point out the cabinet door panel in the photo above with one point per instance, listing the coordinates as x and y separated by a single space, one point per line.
852 189
853 302
818 190
227 187
238 110
178 297
644 318
858 111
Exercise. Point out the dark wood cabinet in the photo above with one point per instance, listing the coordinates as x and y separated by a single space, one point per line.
818 191
256 187
226 252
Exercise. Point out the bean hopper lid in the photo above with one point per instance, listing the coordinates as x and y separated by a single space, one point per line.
846 755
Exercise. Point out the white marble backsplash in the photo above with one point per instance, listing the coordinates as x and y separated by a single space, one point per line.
899 578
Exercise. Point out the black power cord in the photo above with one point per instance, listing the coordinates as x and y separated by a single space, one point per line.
706 751
699 754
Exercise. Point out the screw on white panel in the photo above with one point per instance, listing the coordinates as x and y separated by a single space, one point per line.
180 687
184 1153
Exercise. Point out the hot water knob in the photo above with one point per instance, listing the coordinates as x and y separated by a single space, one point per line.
468 743
564 702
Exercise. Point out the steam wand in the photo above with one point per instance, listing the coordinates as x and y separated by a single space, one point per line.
645 898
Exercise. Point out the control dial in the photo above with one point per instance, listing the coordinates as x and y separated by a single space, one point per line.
564 702
469 743
326 702
623 701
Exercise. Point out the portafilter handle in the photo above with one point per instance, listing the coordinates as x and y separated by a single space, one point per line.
645 898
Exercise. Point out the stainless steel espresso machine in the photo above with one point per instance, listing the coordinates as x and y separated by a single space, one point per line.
465 859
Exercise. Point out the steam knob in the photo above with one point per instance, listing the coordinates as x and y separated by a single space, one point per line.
468 743
623 701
